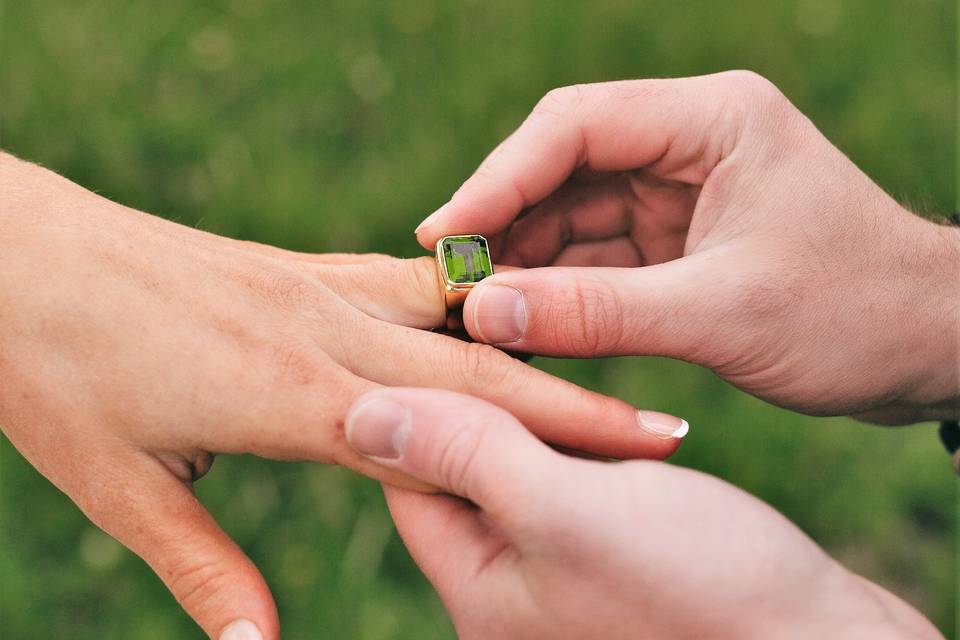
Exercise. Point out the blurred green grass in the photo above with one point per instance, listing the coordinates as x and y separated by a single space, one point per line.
338 126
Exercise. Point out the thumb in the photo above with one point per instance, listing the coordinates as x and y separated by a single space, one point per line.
157 517
463 445
664 309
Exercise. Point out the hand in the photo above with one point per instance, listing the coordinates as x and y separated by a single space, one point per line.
556 547
768 256
133 349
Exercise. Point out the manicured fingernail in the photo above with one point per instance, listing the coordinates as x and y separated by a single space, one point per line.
662 425
500 314
241 630
430 219
378 428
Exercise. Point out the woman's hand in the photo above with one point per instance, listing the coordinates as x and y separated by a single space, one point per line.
133 349
769 257
555 547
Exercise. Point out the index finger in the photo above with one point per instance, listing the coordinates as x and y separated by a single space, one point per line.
555 410
677 128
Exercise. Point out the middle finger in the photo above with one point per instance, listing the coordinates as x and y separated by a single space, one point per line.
557 411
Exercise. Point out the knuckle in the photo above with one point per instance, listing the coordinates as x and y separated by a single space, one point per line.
423 277
561 101
457 458
293 292
752 84
287 290
593 325
643 90
489 174
425 282
196 584
762 101
293 364
485 173
409 289
372 256
483 365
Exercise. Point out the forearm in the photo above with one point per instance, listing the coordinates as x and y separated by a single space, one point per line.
40 213
35 201
66 252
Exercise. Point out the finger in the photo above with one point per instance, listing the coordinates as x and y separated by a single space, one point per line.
405 292
616 252
666 309
310 258
301 419
471 449
557 411
572 214
463 445
399 291
157 516
678 128
444 534
653 213
662 215
341 258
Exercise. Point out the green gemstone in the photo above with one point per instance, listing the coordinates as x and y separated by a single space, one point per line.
466 258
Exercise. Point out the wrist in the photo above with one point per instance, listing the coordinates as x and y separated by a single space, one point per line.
936 390
925 309
883 615
950 254
847 606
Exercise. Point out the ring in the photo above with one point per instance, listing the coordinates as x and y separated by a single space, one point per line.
462 262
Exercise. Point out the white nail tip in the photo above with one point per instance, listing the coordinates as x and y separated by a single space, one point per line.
241 630
681 430
662 425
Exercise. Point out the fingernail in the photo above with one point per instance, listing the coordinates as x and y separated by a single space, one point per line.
241 630
378 428
500 314
430 219
662 425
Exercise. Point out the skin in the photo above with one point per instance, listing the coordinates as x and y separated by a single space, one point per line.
704 219
718 226
532 544
132 350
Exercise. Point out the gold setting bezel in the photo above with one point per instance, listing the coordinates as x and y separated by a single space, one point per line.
448 284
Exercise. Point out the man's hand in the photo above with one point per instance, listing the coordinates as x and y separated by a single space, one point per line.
767 255
133 349
555 547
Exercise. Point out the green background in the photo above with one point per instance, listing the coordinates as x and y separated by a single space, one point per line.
337 126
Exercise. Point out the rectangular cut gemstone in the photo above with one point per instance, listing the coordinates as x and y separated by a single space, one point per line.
466 259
